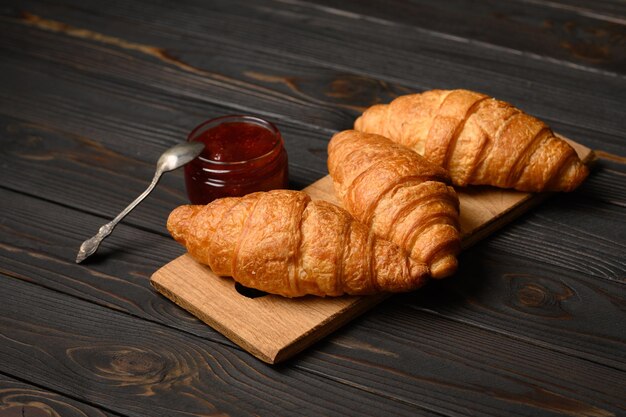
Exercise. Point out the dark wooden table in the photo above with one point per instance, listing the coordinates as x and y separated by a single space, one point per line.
534 322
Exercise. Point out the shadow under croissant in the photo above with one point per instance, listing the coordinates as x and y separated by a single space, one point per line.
249 292
419 294
453 293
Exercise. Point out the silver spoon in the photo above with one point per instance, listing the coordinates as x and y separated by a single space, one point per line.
174 157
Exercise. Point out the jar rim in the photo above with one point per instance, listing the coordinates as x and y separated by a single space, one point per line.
239 118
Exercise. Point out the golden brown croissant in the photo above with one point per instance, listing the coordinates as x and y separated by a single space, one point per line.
283 243
479 140
400 195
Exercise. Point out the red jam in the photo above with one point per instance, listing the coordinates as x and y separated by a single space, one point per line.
242 154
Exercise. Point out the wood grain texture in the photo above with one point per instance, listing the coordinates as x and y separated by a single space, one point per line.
137 368
147 65
57 246
608 10
309 87
555 307
405 361
70 53
572 34
275 328
90 106
39 241
567 237
527 328
270 327
127 357
417 60
479 374
607 182
18 399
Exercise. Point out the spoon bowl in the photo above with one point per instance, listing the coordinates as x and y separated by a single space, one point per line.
179 155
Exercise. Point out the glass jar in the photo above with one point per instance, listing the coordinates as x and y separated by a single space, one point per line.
242 154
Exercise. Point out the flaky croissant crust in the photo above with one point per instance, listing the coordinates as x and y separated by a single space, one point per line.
400 195
479 140
283 243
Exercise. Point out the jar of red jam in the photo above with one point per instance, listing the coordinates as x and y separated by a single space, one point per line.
242 154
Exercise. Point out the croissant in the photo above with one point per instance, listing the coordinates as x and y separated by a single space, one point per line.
400 195
283 243
479 140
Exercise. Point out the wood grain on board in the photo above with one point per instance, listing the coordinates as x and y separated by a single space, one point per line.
274 328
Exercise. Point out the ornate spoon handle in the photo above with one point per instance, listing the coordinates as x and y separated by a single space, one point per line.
90 245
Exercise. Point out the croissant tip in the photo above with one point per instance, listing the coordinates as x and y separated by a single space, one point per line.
443 267
371 118
178 222
572 177
358 123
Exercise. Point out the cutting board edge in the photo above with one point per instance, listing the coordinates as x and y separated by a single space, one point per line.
207 319
503 219
271 354
329 325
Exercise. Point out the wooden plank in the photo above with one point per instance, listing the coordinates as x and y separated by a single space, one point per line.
582 36
532 301
348 363
606 183
565 237
137 368
19 399
417 60
39 240
93 107
145 65
397 362
275 328
189 96
420 358
110 131
609 10
87 192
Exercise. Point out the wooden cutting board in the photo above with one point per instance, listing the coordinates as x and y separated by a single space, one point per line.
275 328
